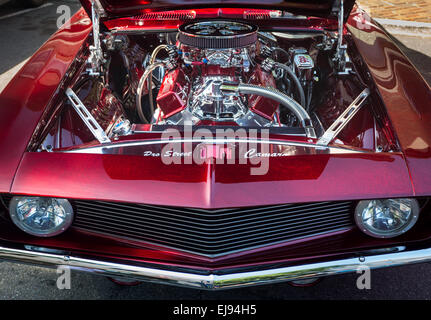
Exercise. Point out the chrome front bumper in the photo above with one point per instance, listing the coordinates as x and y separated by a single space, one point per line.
265 275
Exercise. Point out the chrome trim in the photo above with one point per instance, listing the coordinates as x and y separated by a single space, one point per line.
199 280
193 231
99 8
217 25
99 149
258 246
96 53
340 52
375 233
87 117
298 35
343 119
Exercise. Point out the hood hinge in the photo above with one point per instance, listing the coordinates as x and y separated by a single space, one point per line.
340 57
96 59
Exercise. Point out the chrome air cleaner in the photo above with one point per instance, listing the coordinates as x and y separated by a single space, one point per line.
217 34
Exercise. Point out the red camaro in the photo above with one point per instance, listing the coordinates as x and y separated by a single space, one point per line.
216 144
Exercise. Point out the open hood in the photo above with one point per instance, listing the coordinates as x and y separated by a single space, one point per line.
121 8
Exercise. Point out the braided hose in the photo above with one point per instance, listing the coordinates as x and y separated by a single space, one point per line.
150 77
141 85
278 96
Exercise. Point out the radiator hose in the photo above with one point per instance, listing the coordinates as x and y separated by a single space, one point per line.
278 96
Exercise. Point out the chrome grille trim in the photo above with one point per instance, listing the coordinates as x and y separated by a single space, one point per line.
212 232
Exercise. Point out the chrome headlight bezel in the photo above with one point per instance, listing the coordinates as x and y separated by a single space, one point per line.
376 233
53 231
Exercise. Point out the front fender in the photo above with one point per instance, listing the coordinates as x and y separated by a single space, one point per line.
33 90
404 92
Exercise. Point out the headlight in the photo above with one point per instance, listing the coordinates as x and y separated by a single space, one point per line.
386 218
43 217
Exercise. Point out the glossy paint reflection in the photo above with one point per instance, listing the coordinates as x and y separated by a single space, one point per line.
405 93
29 93
297 178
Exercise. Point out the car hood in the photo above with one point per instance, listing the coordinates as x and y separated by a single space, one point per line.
137 174
121 8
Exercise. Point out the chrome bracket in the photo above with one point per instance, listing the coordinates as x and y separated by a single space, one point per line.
86 116
343 119
96 59
340 53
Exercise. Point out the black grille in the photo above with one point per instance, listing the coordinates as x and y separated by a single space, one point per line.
212 232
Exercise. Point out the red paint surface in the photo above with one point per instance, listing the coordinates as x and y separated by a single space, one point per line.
115 8
262 106
173 93
136 22
405 93
27 95
133 178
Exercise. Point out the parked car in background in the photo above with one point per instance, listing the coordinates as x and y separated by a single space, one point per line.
216 144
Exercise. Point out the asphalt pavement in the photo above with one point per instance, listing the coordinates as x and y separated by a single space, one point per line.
21 34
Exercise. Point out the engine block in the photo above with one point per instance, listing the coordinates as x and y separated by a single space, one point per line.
224 43
211 54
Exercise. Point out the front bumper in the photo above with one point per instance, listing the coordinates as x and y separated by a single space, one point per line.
220 279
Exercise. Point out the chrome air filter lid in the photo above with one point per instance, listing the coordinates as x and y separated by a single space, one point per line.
217 34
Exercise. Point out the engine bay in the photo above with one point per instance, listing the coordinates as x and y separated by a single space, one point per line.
218 72
207 67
